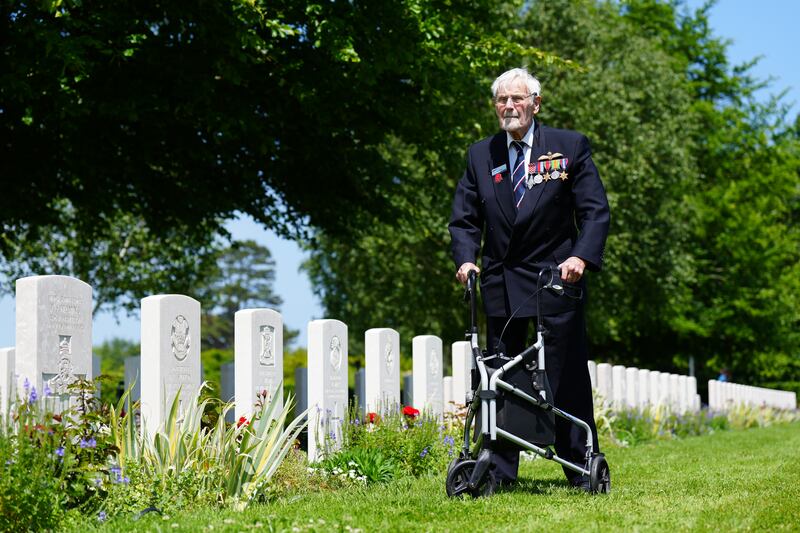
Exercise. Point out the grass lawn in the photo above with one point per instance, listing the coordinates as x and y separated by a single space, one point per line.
732 480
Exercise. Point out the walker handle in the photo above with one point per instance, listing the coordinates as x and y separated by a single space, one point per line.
472 279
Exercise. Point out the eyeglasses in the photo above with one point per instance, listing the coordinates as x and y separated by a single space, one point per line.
501 99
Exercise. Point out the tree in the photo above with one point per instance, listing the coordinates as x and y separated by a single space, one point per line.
241 278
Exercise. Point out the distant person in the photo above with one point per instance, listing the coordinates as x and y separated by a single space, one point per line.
531 198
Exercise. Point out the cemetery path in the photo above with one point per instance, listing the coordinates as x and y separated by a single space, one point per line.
731 480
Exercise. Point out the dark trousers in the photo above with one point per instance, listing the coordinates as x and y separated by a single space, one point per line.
566 355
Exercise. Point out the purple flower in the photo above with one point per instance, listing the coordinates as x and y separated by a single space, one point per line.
332 435
97 481
88 443
27 385
424 452
46 392
102 516
60 451
33 397
449 440
116 470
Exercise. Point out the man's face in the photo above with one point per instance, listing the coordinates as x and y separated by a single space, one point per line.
515 108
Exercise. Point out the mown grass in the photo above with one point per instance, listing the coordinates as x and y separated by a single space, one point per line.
731 480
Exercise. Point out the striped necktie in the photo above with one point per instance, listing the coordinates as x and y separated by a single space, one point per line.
518 176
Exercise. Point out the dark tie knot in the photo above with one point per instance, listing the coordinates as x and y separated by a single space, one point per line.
520 146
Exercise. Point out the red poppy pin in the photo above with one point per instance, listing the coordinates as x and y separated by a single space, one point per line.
498 178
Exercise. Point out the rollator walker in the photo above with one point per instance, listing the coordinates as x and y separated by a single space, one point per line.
512 399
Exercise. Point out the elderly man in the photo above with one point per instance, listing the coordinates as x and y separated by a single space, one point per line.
535 197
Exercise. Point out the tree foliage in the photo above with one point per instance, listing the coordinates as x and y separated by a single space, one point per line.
702 257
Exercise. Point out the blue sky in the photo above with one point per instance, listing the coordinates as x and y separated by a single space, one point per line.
765 28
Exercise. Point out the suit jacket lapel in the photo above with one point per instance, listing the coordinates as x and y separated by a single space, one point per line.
503 190
533 195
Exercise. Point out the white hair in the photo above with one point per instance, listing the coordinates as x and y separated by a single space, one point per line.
510 76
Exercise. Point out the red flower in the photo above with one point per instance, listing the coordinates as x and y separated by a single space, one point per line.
242 422
372 418
498 178
410 411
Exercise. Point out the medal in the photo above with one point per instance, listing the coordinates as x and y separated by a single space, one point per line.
555 175
537 179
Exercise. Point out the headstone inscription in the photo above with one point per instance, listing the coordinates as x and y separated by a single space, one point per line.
427 368
170 365
53 336
258 344
382 351
327 385
7 380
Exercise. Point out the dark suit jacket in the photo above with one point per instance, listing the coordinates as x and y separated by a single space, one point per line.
557 219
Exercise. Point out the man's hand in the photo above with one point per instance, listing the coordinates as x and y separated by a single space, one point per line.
571 269
463 272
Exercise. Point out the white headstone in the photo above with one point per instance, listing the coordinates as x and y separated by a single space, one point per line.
683 393
382 354
227 389
427 368
258 359
644 387
655 388
327 385
407 392
7 380
53 334
447 394
170 355
604 383
96 373
359 389
300 390
674 391
133 377
592 366
462 367
632 387
619 389
663 389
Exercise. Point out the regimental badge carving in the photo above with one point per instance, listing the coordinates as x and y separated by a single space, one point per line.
433 363
266 356
388 352
336 353
180 338
60 382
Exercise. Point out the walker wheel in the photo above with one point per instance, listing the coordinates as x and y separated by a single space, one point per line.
457 483
599 475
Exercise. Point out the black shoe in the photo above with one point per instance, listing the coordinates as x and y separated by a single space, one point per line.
506 483
581 483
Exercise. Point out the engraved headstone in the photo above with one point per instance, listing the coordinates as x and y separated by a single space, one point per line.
462 367
592 366
259 359
133 377
427 368
382 351
227 390
447 394
655 388
632 387
619 388
408 389
360 388
170 355
327 385
53 335
674 392
300 390
604 383
644 387
683 394
95 373
663 390
7 380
